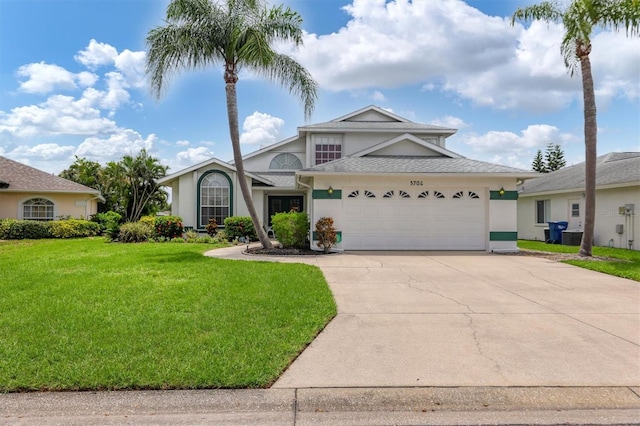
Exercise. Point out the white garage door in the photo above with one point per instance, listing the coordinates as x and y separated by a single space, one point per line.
414 219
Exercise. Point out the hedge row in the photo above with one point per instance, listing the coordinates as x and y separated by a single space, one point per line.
13 229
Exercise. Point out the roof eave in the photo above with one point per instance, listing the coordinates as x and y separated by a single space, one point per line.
303 173
579 189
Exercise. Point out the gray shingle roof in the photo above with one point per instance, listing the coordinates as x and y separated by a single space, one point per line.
611 169
279 179
21 177
411 164
377 125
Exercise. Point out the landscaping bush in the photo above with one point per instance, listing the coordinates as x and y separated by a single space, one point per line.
13 229
212 227
135 232
190 236
107 218
326 233
169 227
292 229
73 228
149 220
239 226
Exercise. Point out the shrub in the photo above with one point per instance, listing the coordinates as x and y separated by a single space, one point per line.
326 233
106 218
191 236
212 227
135 232
292 229
13 229
112 231
239 226
168 226
149 220
73 228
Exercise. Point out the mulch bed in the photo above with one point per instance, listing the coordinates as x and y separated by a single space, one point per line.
279 251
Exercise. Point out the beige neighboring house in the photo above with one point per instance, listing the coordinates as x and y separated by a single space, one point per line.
31 194
559 196
388 183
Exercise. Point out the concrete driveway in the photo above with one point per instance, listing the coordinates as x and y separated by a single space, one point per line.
471 319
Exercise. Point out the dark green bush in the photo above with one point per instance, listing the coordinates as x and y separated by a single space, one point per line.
106 218
292 229
13 229
74 228
239 226
212 227
135 232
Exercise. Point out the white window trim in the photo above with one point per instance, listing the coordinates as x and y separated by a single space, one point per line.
20 214
546 212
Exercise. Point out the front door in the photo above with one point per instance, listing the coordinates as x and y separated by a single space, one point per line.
575 214
284 203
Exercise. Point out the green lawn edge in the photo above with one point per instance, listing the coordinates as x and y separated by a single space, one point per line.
90 315
619 262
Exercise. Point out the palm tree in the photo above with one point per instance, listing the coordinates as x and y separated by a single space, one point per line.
234 34
579 18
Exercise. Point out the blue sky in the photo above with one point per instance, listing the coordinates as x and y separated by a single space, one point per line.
72 82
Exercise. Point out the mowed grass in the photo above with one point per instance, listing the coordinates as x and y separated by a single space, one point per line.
623 262
85 314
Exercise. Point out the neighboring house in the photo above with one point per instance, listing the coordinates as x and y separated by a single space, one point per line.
388 183
28 193
559 196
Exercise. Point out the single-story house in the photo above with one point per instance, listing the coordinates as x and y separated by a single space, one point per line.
559 196
388 183
29 193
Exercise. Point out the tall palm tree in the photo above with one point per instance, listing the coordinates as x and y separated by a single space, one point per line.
234 34
580 18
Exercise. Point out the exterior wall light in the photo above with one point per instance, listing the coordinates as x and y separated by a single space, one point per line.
330 190
501 191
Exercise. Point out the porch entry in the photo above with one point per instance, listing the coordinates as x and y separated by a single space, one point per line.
284 203
576 214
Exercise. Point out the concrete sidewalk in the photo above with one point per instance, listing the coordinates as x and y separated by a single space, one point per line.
337 406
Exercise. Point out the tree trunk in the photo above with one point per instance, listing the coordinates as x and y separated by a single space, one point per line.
590 143
232 112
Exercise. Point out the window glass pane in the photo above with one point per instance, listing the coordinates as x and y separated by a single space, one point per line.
214 198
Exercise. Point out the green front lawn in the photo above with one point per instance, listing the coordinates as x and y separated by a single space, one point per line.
620 262
85 314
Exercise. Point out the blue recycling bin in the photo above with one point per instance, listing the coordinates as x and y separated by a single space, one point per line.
555 231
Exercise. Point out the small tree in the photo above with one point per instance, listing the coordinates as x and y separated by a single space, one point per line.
554 158
292 228
326 233
538 163
212 227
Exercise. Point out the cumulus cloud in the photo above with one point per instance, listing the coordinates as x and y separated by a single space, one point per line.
183 143
461 50
59 114
45 151
44 78
96 55
132 66
450 122
187 158
378 96
514 149
119 143
261 128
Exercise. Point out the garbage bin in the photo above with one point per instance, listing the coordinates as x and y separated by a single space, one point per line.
555 231
546 235
571 237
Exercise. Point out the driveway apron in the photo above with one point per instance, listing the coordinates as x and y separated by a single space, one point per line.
409 319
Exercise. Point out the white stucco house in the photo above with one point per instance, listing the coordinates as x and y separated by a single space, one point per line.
388 183
559 196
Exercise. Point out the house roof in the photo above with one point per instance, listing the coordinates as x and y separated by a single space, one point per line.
23 178
360 126
280 179
613 169
170 178
406 137
376 164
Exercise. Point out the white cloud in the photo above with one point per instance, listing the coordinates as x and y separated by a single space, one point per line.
513 149
450 122
45 151
378 96
96 55
183 143
45 78
187 158
132 65
459 49
57 115
261 128
119 143
116 95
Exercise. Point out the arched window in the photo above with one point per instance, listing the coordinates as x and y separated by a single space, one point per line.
285 161
37 209
214 198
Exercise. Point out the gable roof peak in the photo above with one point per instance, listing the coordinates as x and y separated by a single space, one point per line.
372 108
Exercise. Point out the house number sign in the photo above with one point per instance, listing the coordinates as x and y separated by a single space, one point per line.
416 183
